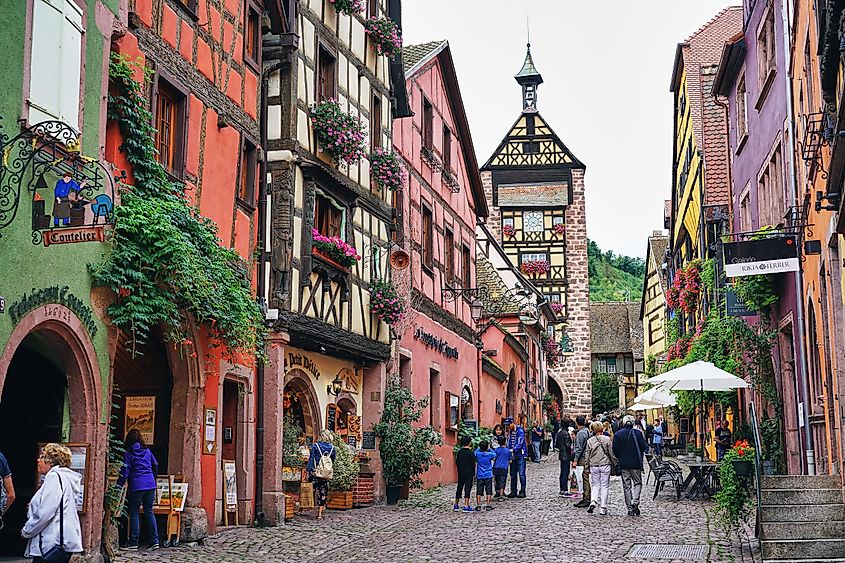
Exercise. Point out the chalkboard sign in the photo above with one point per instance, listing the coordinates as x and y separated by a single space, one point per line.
471 425
684 426
369 441
352 441
331 417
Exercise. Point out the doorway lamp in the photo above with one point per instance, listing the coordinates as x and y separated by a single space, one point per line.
335 387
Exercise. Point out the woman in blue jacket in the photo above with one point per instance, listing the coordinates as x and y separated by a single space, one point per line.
323 447
139 468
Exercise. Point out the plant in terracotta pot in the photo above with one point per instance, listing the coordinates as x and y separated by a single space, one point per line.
345 473
291 458
407 450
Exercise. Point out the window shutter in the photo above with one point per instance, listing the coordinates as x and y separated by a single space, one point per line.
71 61
46 59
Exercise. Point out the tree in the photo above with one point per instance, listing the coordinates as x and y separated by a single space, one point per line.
605 392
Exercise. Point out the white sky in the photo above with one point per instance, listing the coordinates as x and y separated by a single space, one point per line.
606 67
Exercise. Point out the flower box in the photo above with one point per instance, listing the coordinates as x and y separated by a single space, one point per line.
509 231
559 228
339 500
334 250
348 7
535 267
328 259
743 468
386 170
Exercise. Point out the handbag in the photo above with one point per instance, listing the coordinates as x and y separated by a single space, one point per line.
614 463
57 554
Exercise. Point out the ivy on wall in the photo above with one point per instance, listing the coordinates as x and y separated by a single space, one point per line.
166 262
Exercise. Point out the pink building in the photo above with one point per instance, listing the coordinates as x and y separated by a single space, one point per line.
437 214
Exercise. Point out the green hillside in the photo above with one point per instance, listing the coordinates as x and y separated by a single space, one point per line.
614 277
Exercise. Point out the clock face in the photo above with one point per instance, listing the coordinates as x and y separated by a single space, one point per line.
532 221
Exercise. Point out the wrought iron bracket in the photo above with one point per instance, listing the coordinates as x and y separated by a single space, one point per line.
454 293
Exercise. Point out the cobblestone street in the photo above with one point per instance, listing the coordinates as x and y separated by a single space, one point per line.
542 527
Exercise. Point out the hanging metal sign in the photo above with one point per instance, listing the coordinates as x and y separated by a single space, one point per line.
735 306
763 256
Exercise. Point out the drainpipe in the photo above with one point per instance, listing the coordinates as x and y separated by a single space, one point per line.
809 453
261 291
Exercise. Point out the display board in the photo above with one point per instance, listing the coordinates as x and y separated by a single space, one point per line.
79 463
230 486
331 417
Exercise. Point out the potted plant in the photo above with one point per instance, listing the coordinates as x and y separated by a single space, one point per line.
547 438
385 302
385 35
386 170
509 231
733 503
770 442
407 451
345 473
348 7
291 458
340 133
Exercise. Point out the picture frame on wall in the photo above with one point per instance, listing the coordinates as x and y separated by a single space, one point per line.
454 402
79 463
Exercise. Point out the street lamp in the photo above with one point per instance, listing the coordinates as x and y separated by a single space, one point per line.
476 309
335 386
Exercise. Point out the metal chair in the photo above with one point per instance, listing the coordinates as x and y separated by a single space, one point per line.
666 472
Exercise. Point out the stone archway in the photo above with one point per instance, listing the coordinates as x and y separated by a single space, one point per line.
298 382
68 339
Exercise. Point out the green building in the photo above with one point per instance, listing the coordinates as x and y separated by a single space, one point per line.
56 202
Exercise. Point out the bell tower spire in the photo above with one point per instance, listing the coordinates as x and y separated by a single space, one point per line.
529 78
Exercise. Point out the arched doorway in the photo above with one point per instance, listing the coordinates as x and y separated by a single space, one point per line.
34 405
50 390
300 401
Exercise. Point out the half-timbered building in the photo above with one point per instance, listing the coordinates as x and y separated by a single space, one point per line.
438 356
327 350
535 187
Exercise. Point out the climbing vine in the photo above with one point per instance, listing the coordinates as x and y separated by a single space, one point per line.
166 264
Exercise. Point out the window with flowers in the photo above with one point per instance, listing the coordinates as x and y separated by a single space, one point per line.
329 217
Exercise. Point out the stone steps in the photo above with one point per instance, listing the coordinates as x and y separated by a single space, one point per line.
793 482
801 513
801 496
801 549
804 530
802 519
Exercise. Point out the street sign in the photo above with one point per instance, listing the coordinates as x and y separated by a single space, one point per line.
735 306
762 256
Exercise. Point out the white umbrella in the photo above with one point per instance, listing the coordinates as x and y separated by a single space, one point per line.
644 406
699 376
658 395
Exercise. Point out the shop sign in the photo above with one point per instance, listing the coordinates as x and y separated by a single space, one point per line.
369 442
298 360
735 305
763 256
438 344
54 295
67 236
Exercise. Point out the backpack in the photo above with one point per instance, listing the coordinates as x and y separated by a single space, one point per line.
325 467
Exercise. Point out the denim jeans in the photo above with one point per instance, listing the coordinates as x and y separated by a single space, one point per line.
564 476
536 447
135 501
518 470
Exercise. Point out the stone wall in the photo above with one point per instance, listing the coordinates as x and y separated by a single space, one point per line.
574 375
493 221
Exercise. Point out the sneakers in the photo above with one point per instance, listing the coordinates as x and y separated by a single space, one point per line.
488 507
636 509
592 508
467 509
478 508
130 547
153 547
583 503
511 495
456 508
603 511
630 512
521 494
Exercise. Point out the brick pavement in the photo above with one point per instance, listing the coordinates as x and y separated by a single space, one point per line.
542 527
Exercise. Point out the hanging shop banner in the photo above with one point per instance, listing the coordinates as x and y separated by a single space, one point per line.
763 256
230 485
735 306
140 413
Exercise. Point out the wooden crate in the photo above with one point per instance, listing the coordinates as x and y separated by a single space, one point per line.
289 507
339 500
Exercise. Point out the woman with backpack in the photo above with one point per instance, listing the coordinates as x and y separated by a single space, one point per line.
321 469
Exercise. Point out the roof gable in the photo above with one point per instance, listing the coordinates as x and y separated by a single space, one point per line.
540 148
415 58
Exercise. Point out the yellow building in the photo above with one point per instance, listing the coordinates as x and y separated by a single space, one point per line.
653 307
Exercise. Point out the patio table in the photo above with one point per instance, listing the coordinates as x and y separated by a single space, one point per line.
700 477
